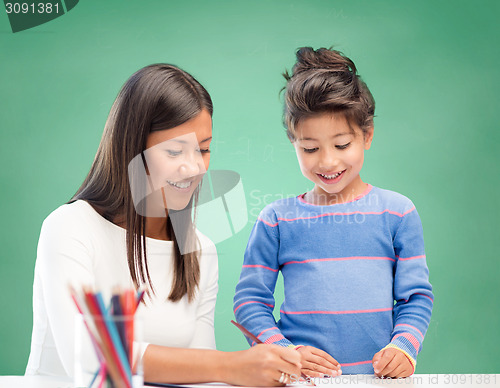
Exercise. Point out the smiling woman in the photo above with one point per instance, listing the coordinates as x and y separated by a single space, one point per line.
130 224
158 103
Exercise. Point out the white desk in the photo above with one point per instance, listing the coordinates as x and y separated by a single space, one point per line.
34 382
353 381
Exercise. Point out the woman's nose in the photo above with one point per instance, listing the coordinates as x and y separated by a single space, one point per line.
192 165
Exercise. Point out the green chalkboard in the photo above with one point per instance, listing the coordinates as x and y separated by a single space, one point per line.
432 67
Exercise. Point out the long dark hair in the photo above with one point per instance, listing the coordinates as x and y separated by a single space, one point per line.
157 97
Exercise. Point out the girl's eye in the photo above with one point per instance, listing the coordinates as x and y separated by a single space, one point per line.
343 146
310 150
204 151
173 153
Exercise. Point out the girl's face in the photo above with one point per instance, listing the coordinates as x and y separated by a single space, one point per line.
177 158
330 152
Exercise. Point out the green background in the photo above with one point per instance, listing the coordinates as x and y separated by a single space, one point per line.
432 67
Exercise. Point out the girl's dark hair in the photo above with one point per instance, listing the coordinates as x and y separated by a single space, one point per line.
155 98
325 80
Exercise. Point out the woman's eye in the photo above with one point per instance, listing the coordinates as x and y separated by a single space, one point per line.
204 151
310 150
343 146
173 153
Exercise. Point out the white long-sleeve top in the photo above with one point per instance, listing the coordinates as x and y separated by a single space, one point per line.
78 246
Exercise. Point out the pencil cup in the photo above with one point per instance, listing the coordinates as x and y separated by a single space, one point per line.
108 351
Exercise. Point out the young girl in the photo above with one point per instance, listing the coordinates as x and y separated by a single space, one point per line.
130 225
351 254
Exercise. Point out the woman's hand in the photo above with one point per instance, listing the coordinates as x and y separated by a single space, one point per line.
393 363
317 363
262 365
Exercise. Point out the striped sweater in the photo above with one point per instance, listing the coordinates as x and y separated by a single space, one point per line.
355 277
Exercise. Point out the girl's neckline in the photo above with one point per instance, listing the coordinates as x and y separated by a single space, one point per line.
357 198
117 227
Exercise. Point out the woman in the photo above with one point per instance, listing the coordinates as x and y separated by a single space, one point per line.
130 224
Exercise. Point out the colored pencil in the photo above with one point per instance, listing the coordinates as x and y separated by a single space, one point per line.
111 330
255 339
118 375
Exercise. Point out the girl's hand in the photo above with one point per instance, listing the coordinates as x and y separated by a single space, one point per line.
263 365
317 363
393 363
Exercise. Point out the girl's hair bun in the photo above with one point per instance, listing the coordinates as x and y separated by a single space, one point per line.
321 59
325 80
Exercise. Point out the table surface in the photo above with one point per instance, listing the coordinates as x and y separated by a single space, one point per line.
357 381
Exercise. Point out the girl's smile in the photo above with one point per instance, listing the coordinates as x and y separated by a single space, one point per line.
330 151
331 178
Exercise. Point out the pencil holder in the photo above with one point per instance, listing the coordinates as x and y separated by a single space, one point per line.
108 351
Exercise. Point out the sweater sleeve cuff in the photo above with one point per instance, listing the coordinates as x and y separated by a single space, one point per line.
275 339
412 360
279 340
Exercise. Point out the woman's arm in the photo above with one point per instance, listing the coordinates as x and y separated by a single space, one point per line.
63 258
261 365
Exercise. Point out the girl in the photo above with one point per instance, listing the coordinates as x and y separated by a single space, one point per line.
130 224
351 255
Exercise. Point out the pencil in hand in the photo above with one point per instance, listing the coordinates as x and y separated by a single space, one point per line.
249 335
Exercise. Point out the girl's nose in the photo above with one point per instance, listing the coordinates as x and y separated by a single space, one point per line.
328 159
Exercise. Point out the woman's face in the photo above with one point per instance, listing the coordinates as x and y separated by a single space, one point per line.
177 158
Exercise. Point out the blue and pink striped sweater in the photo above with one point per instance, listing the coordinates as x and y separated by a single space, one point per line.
355 277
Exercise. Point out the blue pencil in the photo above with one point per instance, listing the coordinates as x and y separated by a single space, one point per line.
115 338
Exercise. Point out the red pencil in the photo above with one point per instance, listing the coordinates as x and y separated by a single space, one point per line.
116 371
128 312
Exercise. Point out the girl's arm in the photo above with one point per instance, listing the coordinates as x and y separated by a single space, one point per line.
412 290
261 365
254 298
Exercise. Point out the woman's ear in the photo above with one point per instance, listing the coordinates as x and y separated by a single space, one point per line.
368 137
